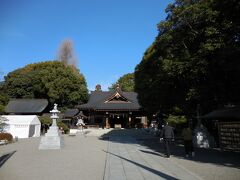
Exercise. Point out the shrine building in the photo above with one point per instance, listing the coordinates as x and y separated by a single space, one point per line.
113 109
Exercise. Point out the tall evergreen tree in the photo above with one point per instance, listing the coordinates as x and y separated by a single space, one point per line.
194 59
126 82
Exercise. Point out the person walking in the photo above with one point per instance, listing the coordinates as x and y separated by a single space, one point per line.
167 135
188 141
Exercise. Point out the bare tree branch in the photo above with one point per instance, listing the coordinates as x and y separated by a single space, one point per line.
66 53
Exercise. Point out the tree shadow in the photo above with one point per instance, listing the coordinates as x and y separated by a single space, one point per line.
5 157
159 173
149 141
151 152
210 155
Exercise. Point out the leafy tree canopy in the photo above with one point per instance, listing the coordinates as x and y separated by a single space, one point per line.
51 80
194 59
3 99
126 82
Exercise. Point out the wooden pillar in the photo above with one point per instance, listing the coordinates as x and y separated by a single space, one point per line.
107 123
129 121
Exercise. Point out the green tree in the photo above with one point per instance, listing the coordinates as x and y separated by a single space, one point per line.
3 102
194 59
3 123
3 99
52 80
126 82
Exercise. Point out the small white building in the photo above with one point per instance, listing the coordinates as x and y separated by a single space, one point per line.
23 126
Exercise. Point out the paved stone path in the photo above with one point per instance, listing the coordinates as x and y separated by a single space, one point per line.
127 160
117 155
208 163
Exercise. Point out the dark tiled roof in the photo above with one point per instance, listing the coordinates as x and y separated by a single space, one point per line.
98 101
25 106
225 113
71 112
80 114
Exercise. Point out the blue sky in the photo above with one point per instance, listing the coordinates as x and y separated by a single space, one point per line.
109 36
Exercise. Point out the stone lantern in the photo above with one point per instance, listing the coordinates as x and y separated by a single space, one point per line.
53 138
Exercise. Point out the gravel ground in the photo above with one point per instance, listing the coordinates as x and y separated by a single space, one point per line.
81 158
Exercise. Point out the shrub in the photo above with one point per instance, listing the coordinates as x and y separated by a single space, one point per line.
175 120
64 126
6 136
47 120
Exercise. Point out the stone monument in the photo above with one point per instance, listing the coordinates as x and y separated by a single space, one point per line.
202 138
53 138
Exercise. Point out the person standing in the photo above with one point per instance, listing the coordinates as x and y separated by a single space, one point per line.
46 127
187 138
61 130
167 135
80 124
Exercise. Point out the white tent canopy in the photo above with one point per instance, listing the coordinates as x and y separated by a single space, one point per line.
23 126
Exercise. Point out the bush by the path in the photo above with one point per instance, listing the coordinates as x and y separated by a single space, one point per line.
6 136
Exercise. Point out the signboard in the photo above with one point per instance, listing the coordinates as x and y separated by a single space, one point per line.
229 135
117 126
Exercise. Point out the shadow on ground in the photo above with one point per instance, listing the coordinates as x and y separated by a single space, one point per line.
159 173
5 157
213 156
